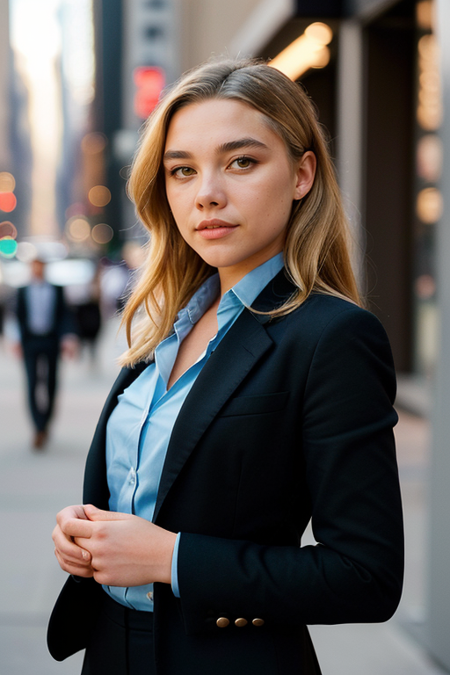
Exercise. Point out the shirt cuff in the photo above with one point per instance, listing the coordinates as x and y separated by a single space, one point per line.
174 570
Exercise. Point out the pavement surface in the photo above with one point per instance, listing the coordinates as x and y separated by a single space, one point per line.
35 485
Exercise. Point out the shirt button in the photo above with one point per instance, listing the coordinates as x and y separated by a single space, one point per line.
258 622
150 596
222 622
132 477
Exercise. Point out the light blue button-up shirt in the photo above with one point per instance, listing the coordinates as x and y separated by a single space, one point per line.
41 297
139 428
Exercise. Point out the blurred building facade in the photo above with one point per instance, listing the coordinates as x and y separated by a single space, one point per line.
4 84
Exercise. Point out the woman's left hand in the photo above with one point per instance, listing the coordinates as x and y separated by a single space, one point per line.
126 550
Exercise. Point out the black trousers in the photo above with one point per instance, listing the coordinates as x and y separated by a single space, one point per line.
41 363
121 642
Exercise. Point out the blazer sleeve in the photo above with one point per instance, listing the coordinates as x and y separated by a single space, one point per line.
355 572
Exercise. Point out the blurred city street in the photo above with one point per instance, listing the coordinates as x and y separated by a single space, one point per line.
78 80
35 485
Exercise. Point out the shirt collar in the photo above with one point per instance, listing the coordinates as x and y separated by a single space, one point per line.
243 293
247 289
202 299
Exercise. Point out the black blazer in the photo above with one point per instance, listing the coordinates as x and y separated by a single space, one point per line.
290 420
62 321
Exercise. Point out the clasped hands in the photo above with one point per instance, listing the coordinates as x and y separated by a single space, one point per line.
117 549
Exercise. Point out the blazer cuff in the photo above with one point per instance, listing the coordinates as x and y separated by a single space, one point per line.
174 571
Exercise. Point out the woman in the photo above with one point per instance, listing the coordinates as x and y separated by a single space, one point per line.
256 395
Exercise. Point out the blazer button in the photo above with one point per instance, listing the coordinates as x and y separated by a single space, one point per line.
258 622
222 622
240 623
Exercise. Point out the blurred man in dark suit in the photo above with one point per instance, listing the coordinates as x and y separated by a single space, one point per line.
45 330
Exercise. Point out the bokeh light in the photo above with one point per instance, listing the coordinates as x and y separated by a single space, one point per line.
26 252
7 182
102 233
7 229
429 110
430 205
8 201
99 196
134 254
8 247
425 286
93 143
78 229
429 157
425 17
307 51
320 32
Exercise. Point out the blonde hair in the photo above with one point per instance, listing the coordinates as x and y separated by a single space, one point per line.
316 250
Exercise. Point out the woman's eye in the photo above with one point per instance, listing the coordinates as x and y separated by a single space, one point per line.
243 162
183 171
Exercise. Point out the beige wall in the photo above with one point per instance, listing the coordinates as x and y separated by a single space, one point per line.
209 26
4 62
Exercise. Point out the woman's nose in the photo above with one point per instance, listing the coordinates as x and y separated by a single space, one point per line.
211 193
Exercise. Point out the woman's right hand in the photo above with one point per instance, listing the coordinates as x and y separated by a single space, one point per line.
72 558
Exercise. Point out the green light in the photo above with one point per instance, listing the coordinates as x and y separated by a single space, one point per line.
8 247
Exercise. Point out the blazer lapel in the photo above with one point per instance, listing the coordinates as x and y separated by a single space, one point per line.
243 345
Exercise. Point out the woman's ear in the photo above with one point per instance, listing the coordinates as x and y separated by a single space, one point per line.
305 174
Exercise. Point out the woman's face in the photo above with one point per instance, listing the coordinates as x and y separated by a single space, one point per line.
230 184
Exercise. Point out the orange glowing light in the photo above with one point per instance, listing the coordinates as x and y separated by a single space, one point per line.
8 201
307 51
94 143
429 109
430 205
102 233
7 182
78 228
99 195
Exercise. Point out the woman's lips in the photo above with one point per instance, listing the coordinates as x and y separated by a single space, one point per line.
215 228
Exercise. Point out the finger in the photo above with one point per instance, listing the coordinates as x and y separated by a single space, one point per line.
93 513
83 545
85 571
68 549
77 528
73 564
70 512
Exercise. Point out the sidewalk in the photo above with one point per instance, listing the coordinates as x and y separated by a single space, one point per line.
33 487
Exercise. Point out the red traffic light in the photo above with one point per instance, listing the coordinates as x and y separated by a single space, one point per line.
149 81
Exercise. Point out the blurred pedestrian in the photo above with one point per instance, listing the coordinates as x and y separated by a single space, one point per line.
45 328
256 395
87 312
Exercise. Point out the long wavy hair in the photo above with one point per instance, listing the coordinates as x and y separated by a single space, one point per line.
316 251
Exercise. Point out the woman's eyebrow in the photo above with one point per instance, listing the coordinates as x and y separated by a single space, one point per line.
241 143
176 154
229 146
